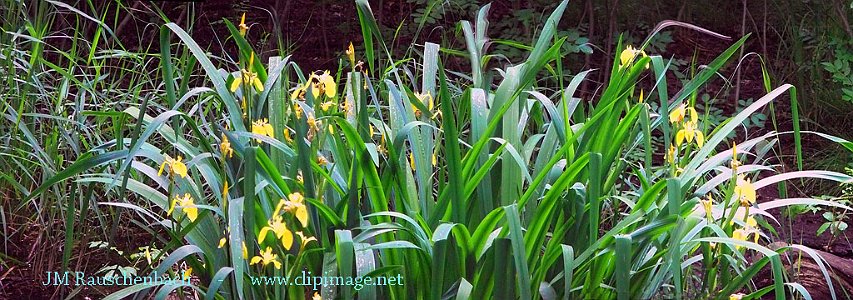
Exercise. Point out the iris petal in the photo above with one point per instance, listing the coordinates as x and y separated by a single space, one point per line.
236 83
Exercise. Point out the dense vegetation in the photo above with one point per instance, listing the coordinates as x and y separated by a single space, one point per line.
484 181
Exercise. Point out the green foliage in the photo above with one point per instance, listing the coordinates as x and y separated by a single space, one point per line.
470 184
430 11
657 42
836 219
839 66
511 34
835 222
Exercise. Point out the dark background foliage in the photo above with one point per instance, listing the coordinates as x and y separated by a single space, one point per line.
806 43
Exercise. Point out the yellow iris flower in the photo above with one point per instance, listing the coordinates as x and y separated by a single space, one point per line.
351 54
737 296
740 235
176 166
223 240
147 254
242 26
743 234
248 77
677 114
381 148
319 83
297 110
322 161
427 100
188 273
299 92
295 204
263 127
741 215
277 226
312 122
225 189
690 129
629 54
750 222
670 154
304 240
750 228
744 191
735 163
688 133
317 296
323 84
287 136
225 147
187 206
266 258
706 204
680 112
345 107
